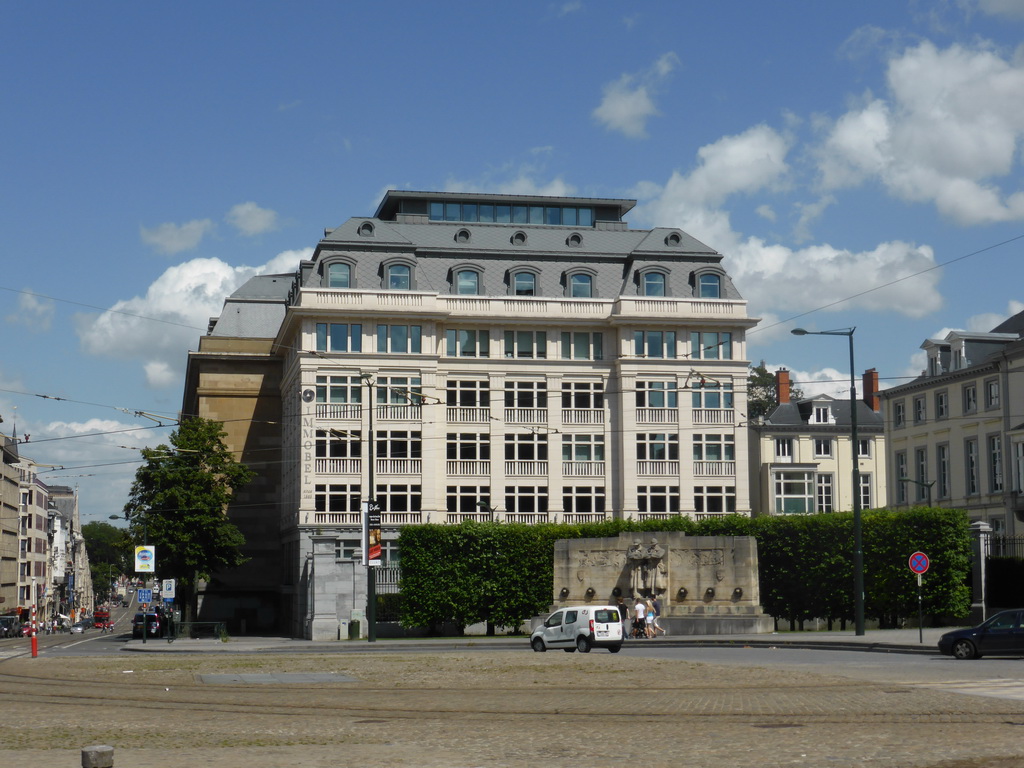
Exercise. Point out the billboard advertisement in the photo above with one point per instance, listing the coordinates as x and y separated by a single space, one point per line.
145 559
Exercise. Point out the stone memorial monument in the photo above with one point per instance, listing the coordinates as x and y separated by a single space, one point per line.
707 585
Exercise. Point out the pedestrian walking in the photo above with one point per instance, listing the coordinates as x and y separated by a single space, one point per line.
648 618
639 612
623 616
657 615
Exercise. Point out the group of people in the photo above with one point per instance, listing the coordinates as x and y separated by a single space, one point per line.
643 619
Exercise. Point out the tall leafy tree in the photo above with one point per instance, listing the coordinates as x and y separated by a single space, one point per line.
178 504
110 554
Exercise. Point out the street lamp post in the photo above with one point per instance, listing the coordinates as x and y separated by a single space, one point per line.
858 545
371 506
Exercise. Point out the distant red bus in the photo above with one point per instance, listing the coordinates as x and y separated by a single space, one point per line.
100 617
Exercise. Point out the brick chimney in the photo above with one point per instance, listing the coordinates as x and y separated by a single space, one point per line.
782 385
869 387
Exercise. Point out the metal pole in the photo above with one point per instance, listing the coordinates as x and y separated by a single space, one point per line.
858 542
371 576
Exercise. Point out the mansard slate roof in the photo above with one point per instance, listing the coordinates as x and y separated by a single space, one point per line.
256 309
796 415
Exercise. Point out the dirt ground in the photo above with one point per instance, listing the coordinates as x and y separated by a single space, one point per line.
497 708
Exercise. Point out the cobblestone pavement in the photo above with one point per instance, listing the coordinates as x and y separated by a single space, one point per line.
496 708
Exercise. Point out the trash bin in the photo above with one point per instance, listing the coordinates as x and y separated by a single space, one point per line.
353 629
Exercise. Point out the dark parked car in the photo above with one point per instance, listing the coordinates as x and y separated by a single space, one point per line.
152 625
1001 635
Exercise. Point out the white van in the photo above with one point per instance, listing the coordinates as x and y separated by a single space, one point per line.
580 628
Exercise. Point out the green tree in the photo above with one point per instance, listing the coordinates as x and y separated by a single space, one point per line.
761 394
110 554
178 504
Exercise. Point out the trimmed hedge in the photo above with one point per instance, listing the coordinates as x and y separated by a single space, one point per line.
502 574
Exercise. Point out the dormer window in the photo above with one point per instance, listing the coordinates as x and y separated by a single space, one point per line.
339 275
467 282
821 414
519 238
365 229
709 286
524 284
399 277
581 286
653 283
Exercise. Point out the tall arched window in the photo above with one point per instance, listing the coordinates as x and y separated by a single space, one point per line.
654 283
467 281
339 276
525 284
581 286
710 286
399 277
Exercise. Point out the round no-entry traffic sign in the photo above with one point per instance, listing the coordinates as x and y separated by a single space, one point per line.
919 562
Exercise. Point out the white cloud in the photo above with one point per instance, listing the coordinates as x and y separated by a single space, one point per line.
777 279
34 312
986 322
249 219
570 7
1011 9
628 102
157 329
948 130
172 238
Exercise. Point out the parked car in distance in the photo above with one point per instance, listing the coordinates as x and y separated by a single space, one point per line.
80 626
152 625
1000 635
580 628
9 626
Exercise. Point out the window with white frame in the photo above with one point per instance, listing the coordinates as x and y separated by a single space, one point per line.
794 492
468 393
399 390
655 344
398 444
822 415
467 282
526 499
942 405
899 414
339 337
339 389
526 344
710 286
657 394
920 415
783 447
468 446
581 285
399 498
467 499
970 398
991 393
399 277
900 458
526 447
995 463
658 498
653 284
582 395
823 482
338 444
866 501
657 446
582 345
583 499
524 284
526 394
942 477
336 497
971 481
714 447
582 447
1018 467
400 339
823 447
714 499
710 345
921 473
864 447
339 275
467 342
713 394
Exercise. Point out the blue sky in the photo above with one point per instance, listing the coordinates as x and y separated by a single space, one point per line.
153 156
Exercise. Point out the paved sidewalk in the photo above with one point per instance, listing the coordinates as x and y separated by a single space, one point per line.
880 640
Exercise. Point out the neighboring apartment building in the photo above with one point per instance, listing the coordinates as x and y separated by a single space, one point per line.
71 576
956 433
34 543
10 523
801 459
516 358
